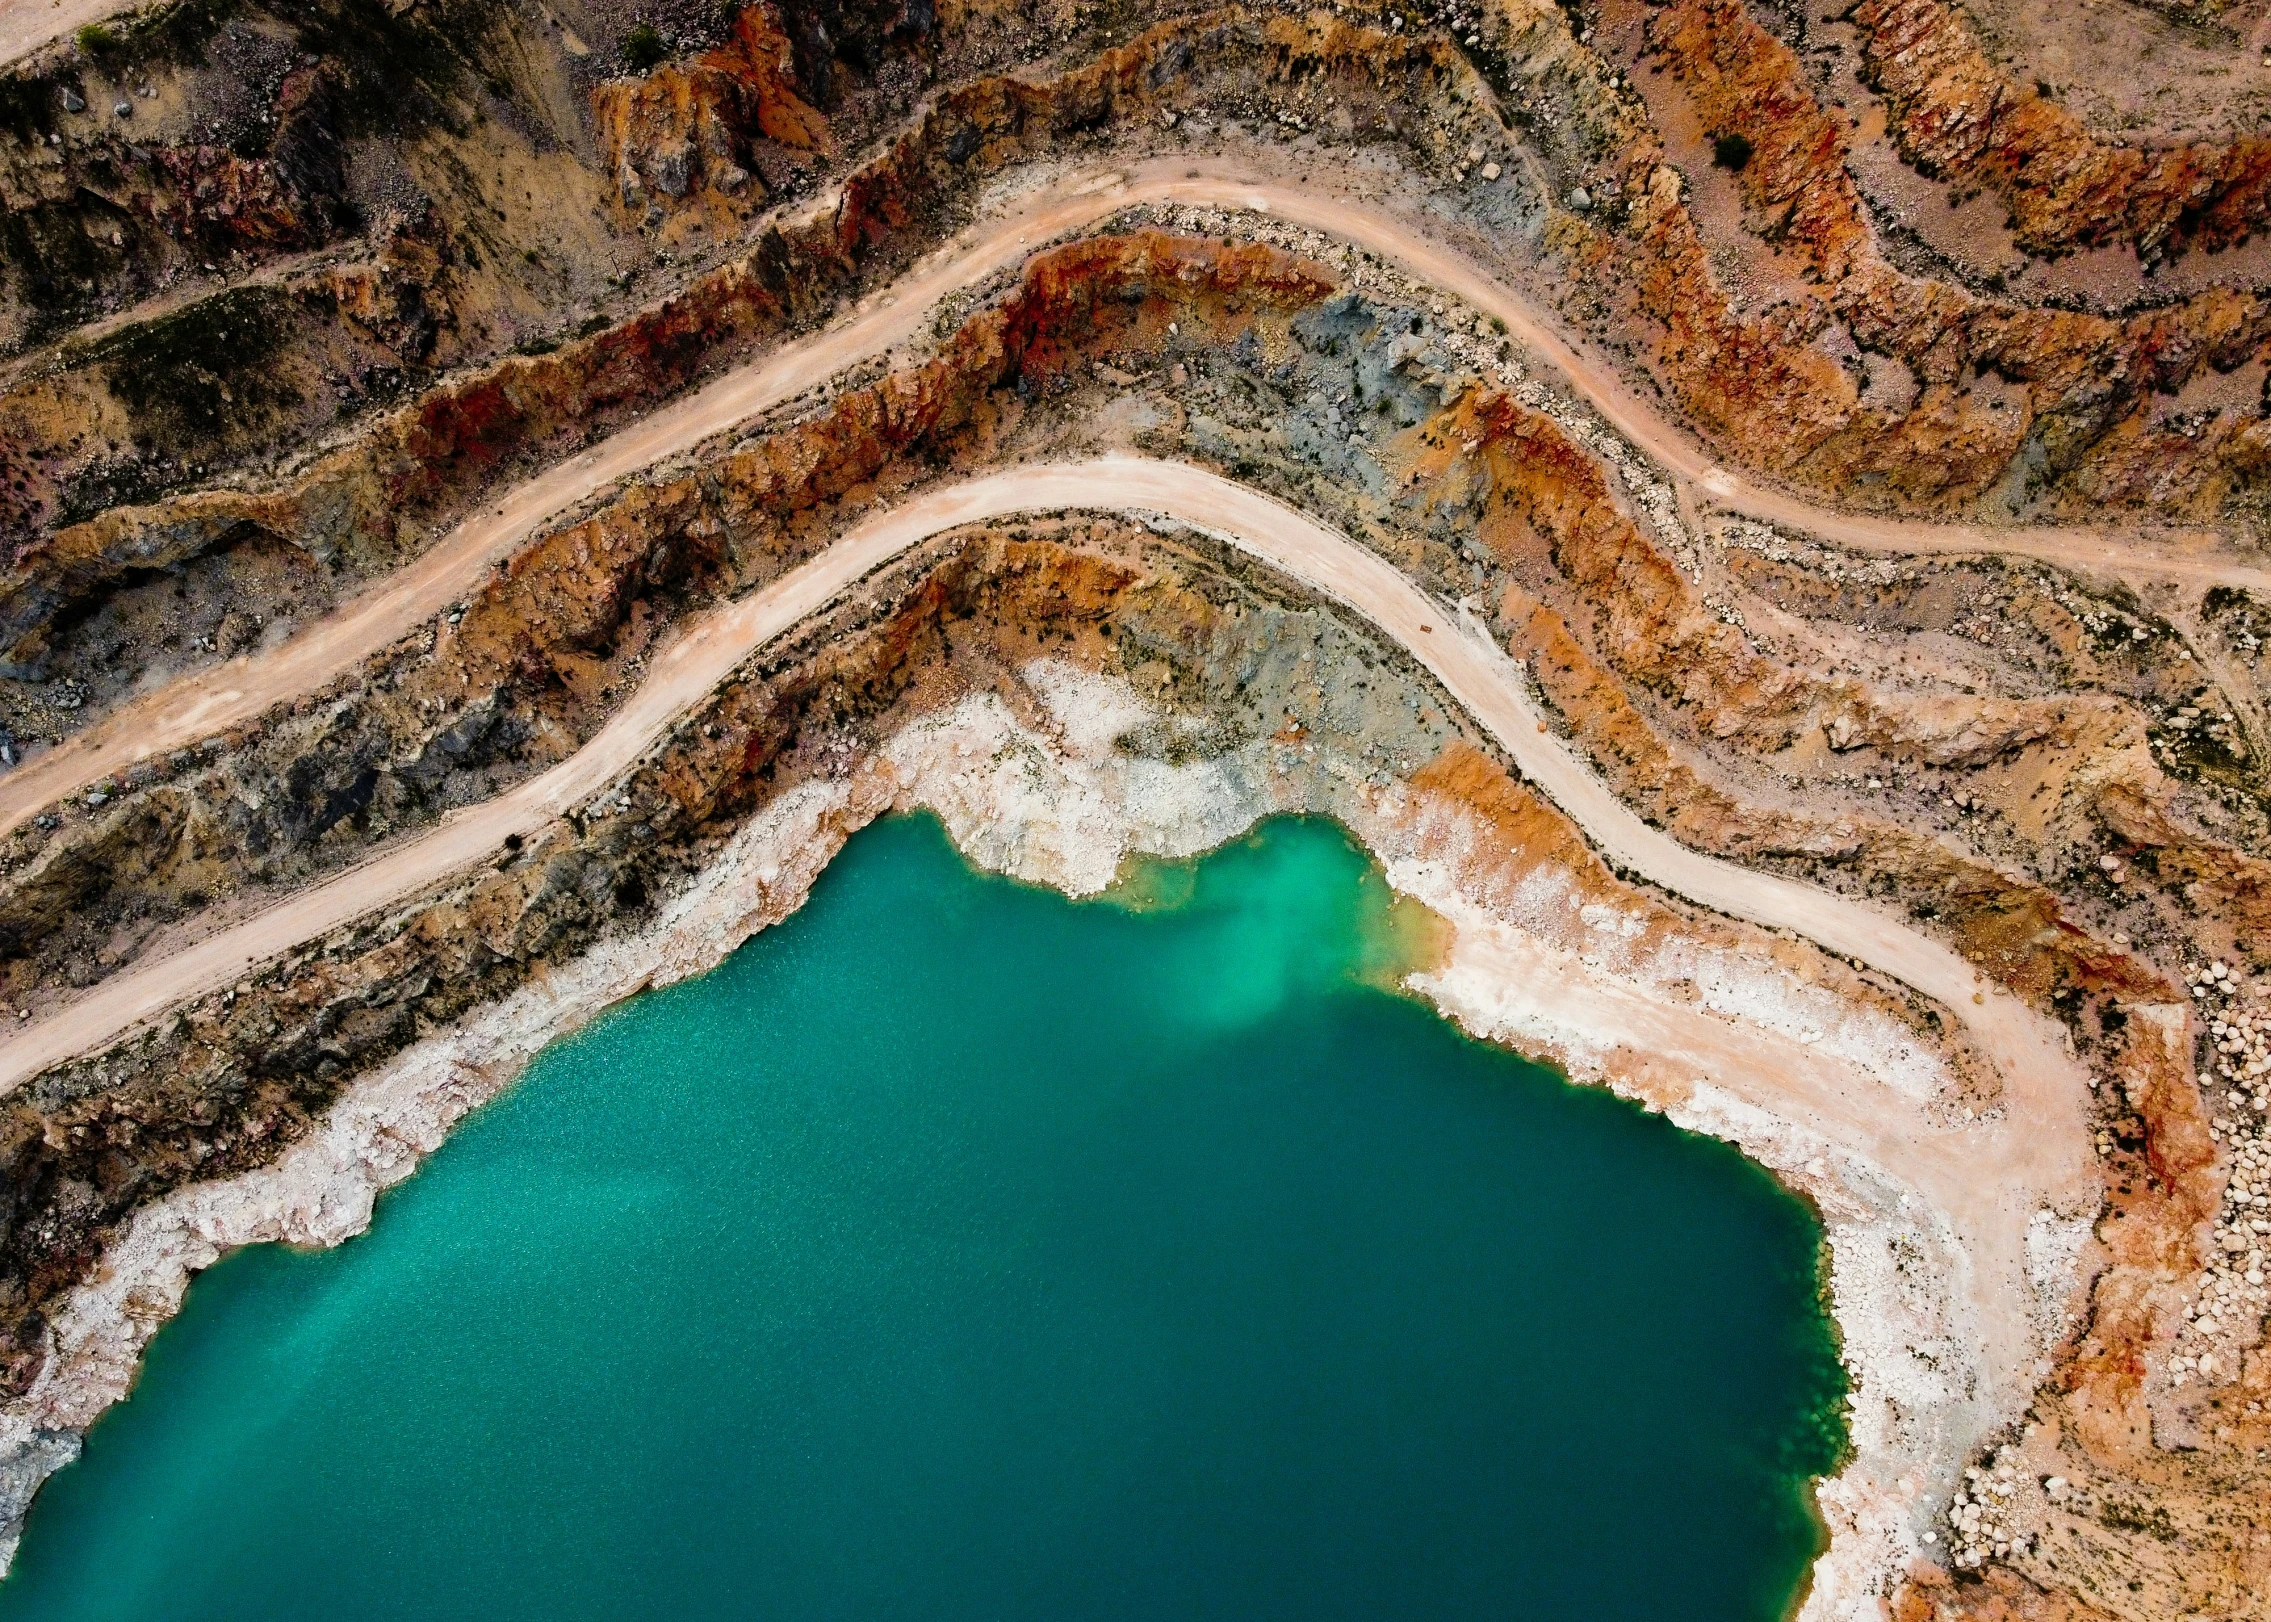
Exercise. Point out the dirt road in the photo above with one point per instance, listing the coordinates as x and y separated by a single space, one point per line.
26 25
198 705
1989 1178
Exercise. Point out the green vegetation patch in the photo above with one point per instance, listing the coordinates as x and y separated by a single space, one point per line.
643 49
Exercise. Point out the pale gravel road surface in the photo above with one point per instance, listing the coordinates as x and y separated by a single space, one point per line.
26 25
1989 1178
198 705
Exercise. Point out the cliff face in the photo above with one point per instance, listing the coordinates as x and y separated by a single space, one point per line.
315 223
708 130
524 672
520 677
1956 115
363 508
2083 427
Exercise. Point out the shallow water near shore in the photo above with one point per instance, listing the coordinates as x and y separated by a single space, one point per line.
957 1251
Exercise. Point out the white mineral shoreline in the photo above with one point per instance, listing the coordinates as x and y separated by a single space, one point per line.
1051 800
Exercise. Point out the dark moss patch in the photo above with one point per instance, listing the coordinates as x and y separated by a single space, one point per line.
58 264
398 73
200 373
643 49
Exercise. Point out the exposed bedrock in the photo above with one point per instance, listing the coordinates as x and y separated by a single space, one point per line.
559 575
528 667
1958 116
361 508
315 214
1505 506
2078 423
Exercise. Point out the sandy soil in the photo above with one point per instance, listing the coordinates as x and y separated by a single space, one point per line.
2127 70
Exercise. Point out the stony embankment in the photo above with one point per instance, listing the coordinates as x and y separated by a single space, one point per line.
90 604
138 575
523 672
2079 426
122 869
564 580
234 234
235 230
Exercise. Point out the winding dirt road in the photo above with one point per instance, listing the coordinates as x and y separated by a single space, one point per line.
1989 1178
197 705
200 704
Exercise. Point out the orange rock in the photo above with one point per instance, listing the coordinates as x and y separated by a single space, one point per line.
688 128
2087 379
1956 115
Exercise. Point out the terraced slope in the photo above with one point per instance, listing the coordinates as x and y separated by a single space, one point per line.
497 494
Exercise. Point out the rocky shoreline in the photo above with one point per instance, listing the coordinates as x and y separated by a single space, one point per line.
1051 799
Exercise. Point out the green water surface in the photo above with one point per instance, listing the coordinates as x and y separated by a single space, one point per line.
959 1252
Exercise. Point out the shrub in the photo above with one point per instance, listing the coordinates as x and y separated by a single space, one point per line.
643 48
1731 150
96 40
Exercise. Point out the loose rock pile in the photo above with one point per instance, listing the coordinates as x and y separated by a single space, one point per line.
1988 1515
2233 1297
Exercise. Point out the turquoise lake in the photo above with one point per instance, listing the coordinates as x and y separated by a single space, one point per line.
957 1251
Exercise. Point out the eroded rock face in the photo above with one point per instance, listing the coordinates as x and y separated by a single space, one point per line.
695 127
101 208
1050 769
1957 115
2086 380
575 611
1768 384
